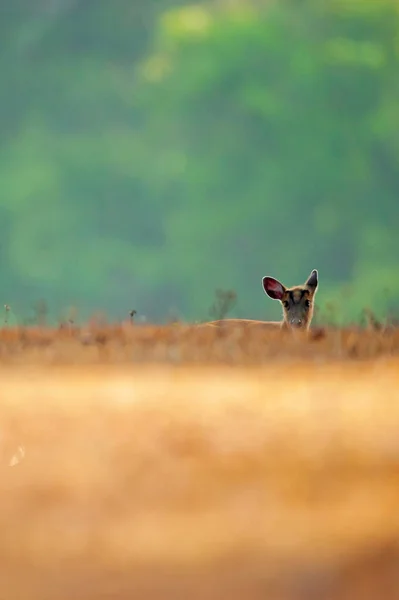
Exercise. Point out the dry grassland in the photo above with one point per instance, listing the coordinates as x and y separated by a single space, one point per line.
177 463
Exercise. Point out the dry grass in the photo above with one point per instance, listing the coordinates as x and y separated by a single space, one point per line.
184 344
275 476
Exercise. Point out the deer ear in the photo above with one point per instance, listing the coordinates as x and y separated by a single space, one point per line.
313 279
273 288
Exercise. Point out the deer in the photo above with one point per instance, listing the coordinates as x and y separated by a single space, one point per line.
297 303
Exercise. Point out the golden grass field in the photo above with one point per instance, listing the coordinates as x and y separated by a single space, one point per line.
192 463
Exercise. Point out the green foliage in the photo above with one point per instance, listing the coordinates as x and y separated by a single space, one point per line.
281 121
150 166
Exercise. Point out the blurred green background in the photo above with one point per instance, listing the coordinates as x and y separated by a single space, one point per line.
153 151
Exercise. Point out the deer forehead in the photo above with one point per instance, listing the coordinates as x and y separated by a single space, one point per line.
296 295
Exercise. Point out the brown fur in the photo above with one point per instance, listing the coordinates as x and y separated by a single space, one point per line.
245 323
297 303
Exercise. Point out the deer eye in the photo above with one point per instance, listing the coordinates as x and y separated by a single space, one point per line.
286 304
307 303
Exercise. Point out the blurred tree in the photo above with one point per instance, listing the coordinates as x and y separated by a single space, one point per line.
148 166
78 215
283 120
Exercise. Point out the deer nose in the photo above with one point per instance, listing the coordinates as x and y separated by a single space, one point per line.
296 322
